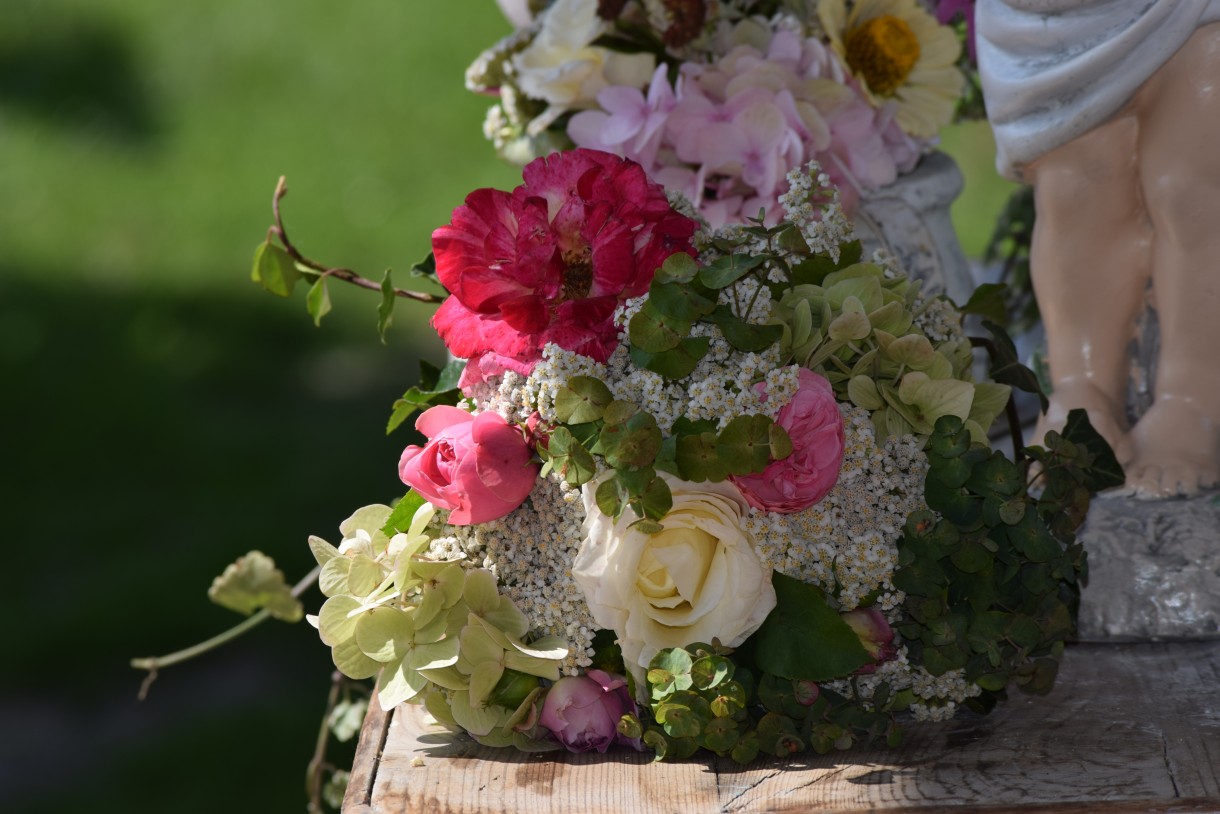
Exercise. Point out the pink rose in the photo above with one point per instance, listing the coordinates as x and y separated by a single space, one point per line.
875 634
803 478
583 711
477 467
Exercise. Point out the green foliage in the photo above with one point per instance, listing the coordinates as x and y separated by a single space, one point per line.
804 638
436 386
385 308
993 582
1010 244
274 270
703 696
253 582
857 327
1006 367
317 301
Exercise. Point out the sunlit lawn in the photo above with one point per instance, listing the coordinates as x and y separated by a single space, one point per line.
161 414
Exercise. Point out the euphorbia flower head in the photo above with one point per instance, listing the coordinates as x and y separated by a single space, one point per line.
550 261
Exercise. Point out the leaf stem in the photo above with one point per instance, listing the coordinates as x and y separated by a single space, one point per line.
313 774
346 275
155 663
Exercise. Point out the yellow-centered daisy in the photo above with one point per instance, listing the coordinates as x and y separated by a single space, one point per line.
898 51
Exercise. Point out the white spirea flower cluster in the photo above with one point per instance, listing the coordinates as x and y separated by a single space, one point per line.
530 552
720 387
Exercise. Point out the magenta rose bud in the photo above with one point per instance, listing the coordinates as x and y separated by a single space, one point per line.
478 468
815 427
875 634
583 711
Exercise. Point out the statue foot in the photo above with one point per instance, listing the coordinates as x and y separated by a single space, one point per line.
1106 416
1176 451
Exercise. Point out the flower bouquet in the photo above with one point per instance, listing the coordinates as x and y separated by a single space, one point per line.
720 99
686 487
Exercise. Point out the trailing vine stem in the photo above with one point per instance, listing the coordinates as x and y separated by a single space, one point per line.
155 663
1010 409
346 275
317 763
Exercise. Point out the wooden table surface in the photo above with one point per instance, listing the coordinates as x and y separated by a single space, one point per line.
1128 728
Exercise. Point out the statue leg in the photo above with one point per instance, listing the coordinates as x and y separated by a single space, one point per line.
1090 263
1177 442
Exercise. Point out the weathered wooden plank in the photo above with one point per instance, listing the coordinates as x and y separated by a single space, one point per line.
1132 727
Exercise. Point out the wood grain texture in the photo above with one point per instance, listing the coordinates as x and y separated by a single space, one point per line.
1129 728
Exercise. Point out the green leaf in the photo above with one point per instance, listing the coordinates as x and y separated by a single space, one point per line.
632 443
570 459
987 301
400 518
743 335
676 363
1006 367
609 501
317 301
698 460
745 444
274 269
1032 538
1106 472
654 332
385 309
679 267
679 301
804 638
582 399
426 268
253 582
436 386
724 271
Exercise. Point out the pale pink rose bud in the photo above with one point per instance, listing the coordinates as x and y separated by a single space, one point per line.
478 467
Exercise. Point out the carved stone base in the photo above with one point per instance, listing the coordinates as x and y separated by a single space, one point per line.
1154 569
910 218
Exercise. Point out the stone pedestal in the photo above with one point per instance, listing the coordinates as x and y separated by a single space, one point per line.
910 219
1154 569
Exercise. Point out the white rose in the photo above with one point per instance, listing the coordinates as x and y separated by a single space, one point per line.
697 580
562 68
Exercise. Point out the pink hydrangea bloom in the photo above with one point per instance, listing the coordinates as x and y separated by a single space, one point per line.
728 132
550 261
815 426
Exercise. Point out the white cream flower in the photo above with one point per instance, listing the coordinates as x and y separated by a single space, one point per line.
898 51
563 68
696 580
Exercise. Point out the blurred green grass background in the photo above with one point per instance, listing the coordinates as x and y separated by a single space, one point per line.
162 415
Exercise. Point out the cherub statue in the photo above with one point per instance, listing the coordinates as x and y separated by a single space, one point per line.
1111 109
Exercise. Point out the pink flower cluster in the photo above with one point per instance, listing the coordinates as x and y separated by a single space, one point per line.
551 260
725 134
